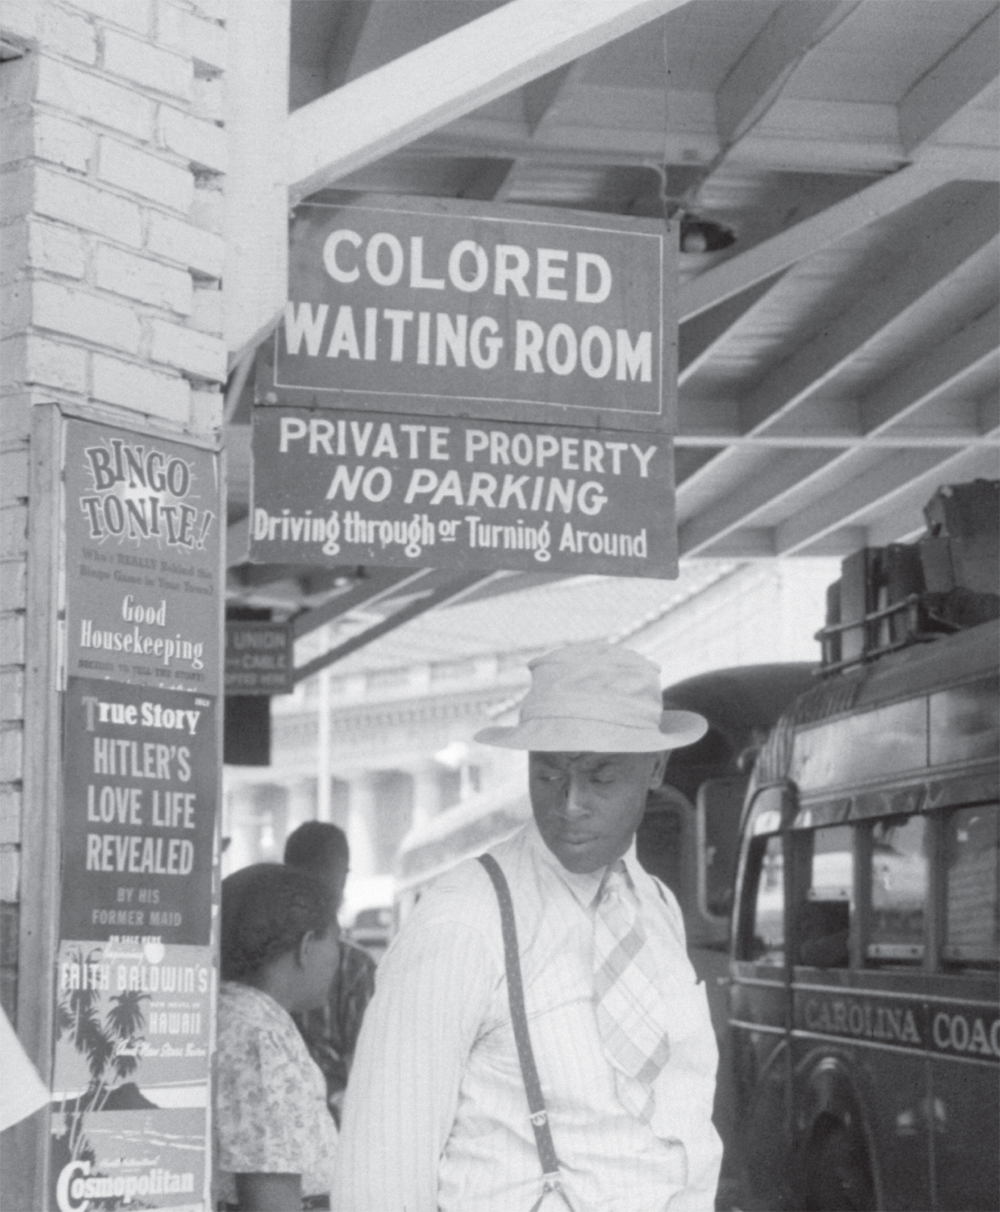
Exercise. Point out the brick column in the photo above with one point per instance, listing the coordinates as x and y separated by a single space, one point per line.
114 162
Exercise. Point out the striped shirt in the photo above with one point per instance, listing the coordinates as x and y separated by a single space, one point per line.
436 1117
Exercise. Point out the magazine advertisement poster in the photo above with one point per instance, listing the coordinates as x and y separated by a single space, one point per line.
142 559
140 777
130 1077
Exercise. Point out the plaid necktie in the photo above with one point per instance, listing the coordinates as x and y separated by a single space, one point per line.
631 1014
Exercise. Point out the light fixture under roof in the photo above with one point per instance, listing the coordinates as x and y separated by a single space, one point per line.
700 235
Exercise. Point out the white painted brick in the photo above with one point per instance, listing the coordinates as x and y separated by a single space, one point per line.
208 95
134 14
141 278
13 250
13 530
68 33
144 174
151 66
191 34
15 306
207 44
18 136
89 96
62 142
206 411
11 694
18 81
19 19
171 26
61 197
207 313
12 639
10 816
141 389
200 142
14 474
198 250
85 316
10 862
214 10
17 412
17 192
13 584
189 350
59 250
208 209
30 358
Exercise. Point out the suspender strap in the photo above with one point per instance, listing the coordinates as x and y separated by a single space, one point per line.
519 1020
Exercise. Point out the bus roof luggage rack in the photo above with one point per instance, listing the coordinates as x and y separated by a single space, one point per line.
890 597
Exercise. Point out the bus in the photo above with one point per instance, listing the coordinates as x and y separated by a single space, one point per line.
833 844
863 999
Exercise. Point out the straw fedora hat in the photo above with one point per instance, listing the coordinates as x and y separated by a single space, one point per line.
595 698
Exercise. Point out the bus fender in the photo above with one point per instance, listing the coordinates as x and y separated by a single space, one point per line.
832 1095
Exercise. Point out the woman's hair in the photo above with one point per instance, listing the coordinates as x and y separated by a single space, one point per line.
267 909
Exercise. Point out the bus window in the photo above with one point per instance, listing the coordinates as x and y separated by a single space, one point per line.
824 917
972 902
899 889
767 945
720 802
659 845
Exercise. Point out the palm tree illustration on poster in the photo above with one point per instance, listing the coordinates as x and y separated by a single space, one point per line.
109 1044
129 1094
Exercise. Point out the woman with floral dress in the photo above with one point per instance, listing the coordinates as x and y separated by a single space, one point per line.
274 1137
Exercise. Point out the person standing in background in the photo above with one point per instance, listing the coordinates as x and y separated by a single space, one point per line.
331 1032
274 1140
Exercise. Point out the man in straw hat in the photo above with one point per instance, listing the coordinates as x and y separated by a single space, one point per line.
537 1037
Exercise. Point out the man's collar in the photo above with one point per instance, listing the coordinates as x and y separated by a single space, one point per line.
584 887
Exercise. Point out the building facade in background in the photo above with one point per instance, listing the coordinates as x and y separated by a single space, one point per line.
396 747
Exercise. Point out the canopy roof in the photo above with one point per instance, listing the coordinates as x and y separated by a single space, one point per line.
839 358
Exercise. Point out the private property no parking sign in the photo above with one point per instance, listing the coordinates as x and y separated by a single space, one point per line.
470 386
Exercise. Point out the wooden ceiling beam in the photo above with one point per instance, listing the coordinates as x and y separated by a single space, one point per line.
853 500
955 83
902 519
375 586
941 370
450 592
432 85
626 126
747 543
352 31
542 98
937 260
768 63
784 474
910 438
812 235
700 337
